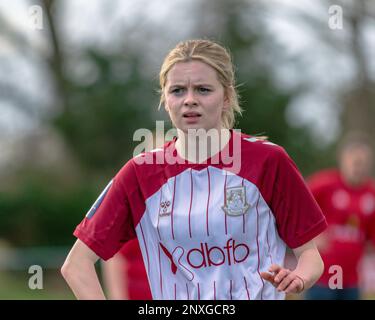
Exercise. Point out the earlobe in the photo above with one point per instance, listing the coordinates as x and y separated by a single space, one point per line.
226 100
226 104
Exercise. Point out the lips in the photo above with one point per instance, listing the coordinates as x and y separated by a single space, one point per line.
191 115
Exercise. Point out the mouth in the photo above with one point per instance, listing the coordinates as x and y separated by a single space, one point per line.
192 115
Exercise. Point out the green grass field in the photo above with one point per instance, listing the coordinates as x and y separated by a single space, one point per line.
15 286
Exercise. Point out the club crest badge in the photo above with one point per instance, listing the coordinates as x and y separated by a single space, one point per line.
164 208
236 204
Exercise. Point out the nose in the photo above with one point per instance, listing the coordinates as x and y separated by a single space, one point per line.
190 99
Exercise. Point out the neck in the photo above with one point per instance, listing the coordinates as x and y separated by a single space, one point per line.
199 145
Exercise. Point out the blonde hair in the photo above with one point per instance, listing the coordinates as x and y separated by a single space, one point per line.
215 56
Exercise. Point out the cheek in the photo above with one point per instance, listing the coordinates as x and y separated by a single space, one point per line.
168 104
171 106
217 104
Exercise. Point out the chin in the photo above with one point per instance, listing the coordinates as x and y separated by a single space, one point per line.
191 127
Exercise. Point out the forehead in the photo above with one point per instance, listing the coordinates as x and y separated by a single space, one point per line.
192 71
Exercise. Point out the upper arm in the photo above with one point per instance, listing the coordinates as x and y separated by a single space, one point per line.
115 278
81 253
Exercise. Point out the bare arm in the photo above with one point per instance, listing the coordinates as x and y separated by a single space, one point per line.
309 268
310 264
114 277
80 274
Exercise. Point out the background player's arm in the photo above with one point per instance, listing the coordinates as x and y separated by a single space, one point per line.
80 274
114 277
309 268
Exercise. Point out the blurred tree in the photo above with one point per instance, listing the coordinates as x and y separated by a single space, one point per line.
239 25
103 115
353 42
359 103
98 119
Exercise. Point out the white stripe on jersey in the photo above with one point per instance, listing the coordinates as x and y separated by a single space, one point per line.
201 252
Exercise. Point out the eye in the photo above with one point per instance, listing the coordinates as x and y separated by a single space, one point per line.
204 90
177 90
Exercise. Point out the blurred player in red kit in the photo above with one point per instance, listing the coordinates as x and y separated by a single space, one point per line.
125 276
347 198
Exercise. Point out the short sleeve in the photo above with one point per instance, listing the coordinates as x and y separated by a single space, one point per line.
108 225
299 218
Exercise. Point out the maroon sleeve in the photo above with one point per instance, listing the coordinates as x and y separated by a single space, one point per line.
108 224
298 216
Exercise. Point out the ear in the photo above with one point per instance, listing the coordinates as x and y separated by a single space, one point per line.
226 100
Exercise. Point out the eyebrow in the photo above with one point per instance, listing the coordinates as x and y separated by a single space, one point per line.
195 85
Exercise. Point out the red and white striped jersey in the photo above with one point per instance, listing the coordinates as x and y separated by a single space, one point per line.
206 232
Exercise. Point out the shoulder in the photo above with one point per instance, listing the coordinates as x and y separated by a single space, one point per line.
145 165
148 160
261 148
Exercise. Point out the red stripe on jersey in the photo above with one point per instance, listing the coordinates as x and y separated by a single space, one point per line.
243 216
208 199
175 291
225 202
214 290
174 192
268 244
191 199
261 293
160 274
230 290
247 291
144 241
187 291
161 197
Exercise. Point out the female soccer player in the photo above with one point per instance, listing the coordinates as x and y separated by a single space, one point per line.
214 210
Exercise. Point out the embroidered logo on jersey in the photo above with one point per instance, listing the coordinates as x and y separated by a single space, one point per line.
236 204
98 201
353 221
340 199
367 204
164 208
